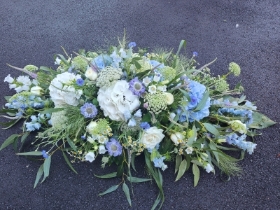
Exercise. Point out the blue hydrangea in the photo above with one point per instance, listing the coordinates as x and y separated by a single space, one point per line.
80 82
102 61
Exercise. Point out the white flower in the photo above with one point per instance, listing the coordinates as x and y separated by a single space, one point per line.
209 168
90 156
91 74
138 113
202 146
146 81
163 167
24 82
156 78
151 137
102 139
9 79
90 139
61 91
36 90
58 119
189 150
123 53
117 100
57 61
131 122
162 88
172 115
152 89
169 98
177 137
91 126
101 149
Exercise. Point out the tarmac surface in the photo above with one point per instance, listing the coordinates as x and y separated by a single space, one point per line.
246 32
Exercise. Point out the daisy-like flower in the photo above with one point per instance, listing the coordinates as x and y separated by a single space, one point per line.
136 87
114 147
89 110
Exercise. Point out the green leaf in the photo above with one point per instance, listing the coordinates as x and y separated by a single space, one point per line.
9 124
185 93
9 141
24 136
109 190
203 101
126 192
193 136
182 170
46 166
183 43
133 161
51 110
71 143
212 129
261 121
44 68
35 153
39 175
137 180
196 174
107 176
178 162
214 150
68 162
156 202
241 99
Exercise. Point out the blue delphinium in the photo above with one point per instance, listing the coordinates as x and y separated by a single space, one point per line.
195 54
145 125
240 142
33 125
80 82
158 163
89 110
114 147
44 154
131 44
136 87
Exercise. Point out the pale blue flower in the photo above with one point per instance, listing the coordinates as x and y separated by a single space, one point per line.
89 110
132 44
114 147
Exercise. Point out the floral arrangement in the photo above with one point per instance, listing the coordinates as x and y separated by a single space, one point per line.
120 104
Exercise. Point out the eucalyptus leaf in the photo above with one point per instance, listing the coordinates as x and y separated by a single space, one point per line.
51 110
46 166
71 143
133 155
182 44
109 190
178 162
212 129
39 175
126 192
35 153
196 174
203 101
9 141
24 136
107 176
214 150
182 170
68 162
260 121
137 180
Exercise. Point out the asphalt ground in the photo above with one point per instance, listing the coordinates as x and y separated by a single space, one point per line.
246 32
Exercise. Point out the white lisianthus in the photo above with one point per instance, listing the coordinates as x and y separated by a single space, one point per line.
101 149
23 84
90 156
152 89
177 137
116 100
36 90
146 81
209 168
91 74
57 61
156 78
62 92
169 98
189 150
151 137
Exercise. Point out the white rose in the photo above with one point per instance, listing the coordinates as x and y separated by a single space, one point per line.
91 74
169 98
151 137
101 149
36 90
117 100
90 156
177 137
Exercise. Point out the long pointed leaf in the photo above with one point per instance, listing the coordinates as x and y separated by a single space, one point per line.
109 190
137 180
46 166
35 153
39 175
9 141
182 170
68 162
196 174
126 192
107 176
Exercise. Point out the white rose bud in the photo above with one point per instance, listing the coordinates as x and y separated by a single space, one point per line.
176 137
36 90
91 74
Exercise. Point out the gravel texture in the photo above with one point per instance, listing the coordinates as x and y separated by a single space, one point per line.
246 32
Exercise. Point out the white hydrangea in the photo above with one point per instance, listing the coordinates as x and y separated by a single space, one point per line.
62 92
116 100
